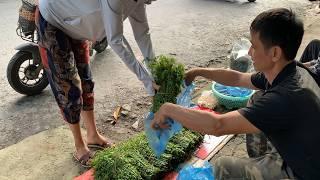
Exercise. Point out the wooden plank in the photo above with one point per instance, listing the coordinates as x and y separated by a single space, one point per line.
219 147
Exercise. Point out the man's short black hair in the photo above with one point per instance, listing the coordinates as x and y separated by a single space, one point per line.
279 27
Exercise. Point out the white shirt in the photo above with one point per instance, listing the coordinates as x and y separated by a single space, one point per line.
95 19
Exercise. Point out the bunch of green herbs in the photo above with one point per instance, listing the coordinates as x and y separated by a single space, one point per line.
169 75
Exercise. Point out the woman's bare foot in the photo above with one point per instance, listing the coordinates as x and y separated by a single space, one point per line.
99 140
84 157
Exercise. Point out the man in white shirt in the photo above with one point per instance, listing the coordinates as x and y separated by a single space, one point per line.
64 27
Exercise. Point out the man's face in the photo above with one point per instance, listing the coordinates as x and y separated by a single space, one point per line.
261 57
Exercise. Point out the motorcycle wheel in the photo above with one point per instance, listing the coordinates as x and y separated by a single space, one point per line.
22 75
100 46
251 0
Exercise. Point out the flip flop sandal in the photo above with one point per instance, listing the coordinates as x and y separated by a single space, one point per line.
100 146
84 160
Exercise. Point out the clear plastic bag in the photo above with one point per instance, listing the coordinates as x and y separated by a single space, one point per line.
207 100
239 58
159 138
190 172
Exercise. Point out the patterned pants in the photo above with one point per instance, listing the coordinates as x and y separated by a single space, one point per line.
66 62
264 162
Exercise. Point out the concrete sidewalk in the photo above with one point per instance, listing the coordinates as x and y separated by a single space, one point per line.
48 155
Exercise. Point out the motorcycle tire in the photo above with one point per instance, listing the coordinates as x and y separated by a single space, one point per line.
17 83
100 46
251 0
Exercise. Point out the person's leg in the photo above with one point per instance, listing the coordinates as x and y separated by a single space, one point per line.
257 144
81 147
93 136
82 58
266 167
265 162
139 22
58 61
236 168
311 59
311 52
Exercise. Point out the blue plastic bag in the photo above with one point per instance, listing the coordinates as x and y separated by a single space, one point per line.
206 172
158 139
233 91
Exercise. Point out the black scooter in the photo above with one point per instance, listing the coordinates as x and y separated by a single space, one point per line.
25 72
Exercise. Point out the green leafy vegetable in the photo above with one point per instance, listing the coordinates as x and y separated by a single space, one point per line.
134 159
169 75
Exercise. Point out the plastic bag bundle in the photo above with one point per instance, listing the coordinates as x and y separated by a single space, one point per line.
184 99
190 172
232 91
231 97
239 58
158 138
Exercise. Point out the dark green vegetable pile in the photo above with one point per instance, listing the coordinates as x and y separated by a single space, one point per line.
169 75
134 159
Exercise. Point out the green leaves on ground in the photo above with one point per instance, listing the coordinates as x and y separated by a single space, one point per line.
134 159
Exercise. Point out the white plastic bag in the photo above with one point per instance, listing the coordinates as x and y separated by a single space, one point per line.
207 100
239 58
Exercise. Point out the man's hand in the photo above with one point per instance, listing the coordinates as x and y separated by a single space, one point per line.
159 119
190 76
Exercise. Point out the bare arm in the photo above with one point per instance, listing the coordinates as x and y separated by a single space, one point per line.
222 76
204 122
113 23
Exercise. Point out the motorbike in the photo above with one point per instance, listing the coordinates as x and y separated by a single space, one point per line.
25 72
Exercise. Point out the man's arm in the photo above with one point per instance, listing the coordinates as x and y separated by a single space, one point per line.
113 23
204 122
222 76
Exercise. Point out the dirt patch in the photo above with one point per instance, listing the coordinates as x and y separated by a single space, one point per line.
139 107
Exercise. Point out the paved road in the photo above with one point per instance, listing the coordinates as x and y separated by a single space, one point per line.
197 32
